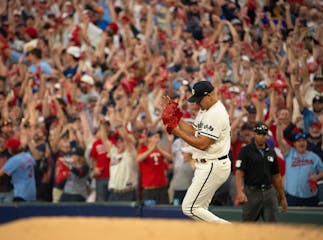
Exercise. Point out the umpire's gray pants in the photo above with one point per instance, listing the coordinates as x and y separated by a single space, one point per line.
261 203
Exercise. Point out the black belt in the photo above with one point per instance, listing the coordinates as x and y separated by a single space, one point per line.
262 187
203 160
223 157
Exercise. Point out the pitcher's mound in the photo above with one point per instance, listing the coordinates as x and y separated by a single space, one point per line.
68 228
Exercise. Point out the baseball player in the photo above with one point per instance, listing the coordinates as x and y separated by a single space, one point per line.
209 137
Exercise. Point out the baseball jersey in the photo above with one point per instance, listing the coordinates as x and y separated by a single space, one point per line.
123 169
213 123
152 169
99 154
21 169
298 169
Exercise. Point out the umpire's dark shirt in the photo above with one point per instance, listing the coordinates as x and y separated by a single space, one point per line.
258 168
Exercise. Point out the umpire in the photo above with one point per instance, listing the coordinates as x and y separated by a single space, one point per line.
257 172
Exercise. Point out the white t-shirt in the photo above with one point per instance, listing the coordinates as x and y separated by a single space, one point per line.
123 169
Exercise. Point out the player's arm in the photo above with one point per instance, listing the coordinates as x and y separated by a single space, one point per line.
201 142
239 181
187 127
278 183
240 173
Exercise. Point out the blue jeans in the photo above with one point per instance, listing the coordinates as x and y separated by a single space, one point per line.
6 197
101 188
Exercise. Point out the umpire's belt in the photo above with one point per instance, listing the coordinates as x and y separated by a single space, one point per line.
262 187
203 160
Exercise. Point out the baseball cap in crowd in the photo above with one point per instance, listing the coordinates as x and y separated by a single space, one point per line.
318 99
261 128
113 26
234 89
74 51
261 85
17 12
245 58
236 21
200 90
13 143
78 151
315 123
300 135
153 132
251 109
93 96
87 79
31 32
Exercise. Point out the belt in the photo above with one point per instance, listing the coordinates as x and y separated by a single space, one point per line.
262 187
203 160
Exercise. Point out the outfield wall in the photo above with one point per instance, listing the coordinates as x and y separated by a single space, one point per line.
13 212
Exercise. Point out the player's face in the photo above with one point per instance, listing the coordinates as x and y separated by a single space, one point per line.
204 103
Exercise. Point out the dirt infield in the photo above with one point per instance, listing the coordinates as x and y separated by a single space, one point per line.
65 228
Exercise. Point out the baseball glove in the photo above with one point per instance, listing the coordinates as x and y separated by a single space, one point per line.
171 115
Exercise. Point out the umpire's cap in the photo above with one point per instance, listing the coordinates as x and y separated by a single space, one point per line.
261 128
200 89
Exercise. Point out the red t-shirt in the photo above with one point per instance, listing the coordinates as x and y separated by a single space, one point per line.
152 169
61 174
99 155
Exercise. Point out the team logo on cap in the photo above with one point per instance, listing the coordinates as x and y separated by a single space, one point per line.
193 91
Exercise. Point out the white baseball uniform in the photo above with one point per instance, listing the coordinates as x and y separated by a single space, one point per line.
210 172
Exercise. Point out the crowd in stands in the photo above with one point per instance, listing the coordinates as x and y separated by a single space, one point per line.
82 86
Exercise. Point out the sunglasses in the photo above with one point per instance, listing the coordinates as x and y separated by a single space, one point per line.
299 136
261 129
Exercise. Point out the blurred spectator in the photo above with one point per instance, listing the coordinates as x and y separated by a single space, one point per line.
303 169
101 164
153 164
21 169
6 189
123 181
183 176
75 189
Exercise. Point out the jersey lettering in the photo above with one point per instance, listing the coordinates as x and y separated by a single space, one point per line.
301 162
155 156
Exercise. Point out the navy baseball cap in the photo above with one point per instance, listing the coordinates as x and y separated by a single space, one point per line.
200 90
318 99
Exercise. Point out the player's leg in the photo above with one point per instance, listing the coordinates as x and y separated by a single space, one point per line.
270 205
207 179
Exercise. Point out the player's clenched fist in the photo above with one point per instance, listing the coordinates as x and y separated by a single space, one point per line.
171 115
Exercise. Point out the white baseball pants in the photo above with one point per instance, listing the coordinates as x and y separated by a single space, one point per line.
208 177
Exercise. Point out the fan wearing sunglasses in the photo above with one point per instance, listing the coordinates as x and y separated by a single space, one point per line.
303 170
